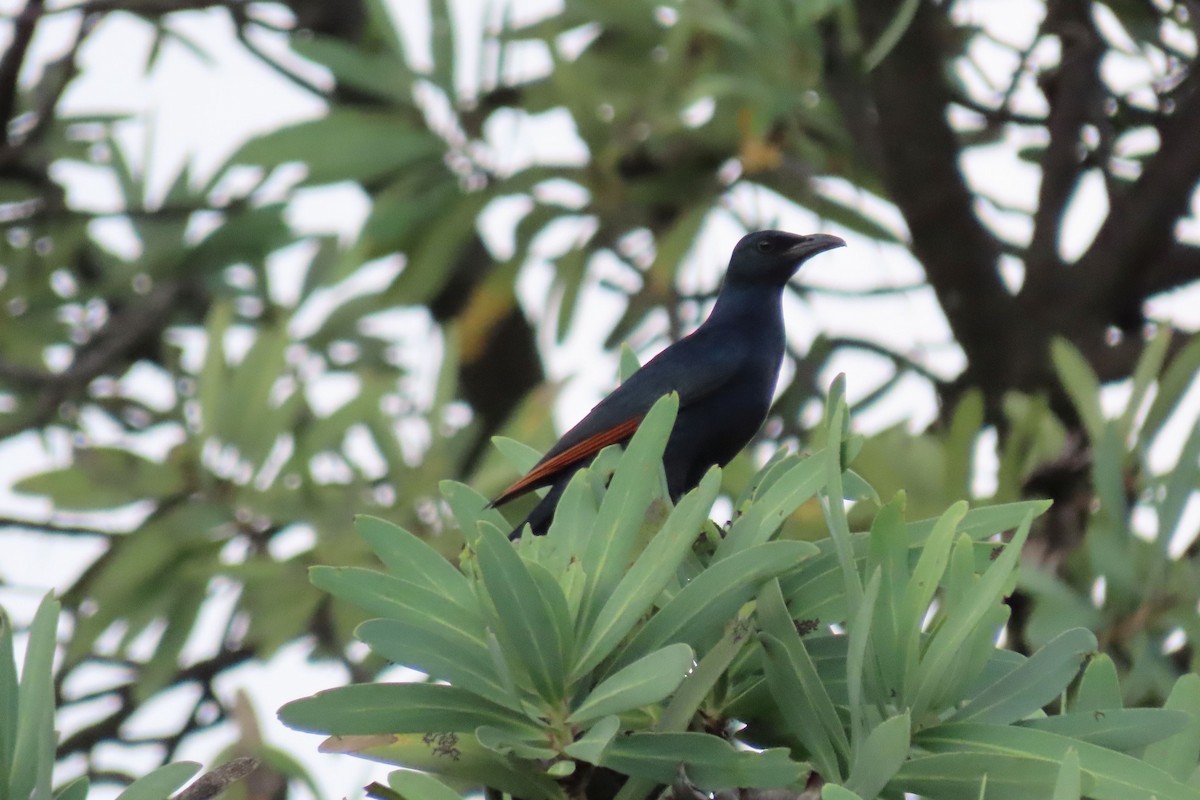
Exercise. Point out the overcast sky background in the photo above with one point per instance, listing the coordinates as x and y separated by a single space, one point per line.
198 113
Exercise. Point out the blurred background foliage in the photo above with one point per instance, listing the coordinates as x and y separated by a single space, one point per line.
211 391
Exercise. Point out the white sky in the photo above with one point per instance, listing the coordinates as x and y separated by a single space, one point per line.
188 111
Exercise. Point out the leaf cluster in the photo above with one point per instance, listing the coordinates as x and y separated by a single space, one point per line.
636 638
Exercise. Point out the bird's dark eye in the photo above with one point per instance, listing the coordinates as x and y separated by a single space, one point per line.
765 246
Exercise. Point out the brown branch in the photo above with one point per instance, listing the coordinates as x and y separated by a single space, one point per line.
13 59
1074 91
147 8
50 527
1139 229
958 253
1178 267
218 780
901 361
113 346
109 727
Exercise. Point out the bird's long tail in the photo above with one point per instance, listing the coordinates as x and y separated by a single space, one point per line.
541 515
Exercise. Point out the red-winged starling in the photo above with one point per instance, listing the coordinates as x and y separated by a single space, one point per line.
724 371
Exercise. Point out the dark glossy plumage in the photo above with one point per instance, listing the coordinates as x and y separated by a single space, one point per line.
725 374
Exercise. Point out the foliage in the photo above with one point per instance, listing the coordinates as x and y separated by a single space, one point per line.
212 388
637 638
27 733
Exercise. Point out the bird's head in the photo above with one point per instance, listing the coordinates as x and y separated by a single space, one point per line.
772 257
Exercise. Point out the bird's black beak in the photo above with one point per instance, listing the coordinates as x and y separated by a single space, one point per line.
809 246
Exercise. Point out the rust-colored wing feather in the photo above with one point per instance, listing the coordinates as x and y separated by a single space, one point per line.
572 455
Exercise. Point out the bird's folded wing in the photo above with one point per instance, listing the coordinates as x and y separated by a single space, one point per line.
691 367
578 452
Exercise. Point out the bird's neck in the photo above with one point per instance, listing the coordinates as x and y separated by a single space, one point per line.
756 305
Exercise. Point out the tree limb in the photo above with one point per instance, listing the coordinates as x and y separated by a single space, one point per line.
958 253
1139 229
13 59
1074 93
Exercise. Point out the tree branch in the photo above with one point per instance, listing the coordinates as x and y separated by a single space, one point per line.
13 59
50 527
958 253
1139 229
114 344
1074 93
218 780
1178 267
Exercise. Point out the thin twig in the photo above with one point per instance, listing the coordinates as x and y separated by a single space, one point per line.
218 780
11 62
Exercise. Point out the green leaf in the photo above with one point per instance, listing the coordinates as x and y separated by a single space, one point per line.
106 477
628 363
645 580
1178 754
430 643
701 609
1108 775
411 559
801 696
856 659
379 73
698 684
520 455
249 235
1148 367
420 786
1124 729
460 759
650 679
962 620
393 708
710 762
532 614
369 145
161 783
75 790
966 776
33 748
1068 785
792 486
591 746
1099 688
1172 384
470 508
980 523
877 760
638 476
1040 679
9 701
831 791
1081 384
505 743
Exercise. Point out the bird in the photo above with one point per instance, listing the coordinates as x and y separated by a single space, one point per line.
724 372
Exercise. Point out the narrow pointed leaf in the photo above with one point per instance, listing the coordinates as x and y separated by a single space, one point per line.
702 608
645 580
409 558
877 760
1178 754
591 746
530 614
711 763
650 679
1124 729
160 783
420 786
637 478
1043 677
388 708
